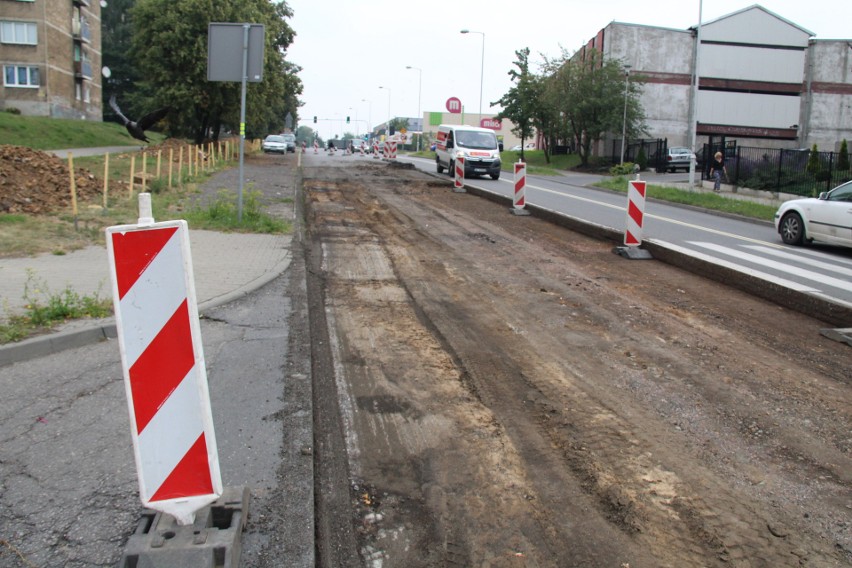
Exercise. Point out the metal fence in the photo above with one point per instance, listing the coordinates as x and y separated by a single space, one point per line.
778 170
653 149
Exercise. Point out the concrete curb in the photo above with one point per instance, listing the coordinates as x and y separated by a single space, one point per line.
105 329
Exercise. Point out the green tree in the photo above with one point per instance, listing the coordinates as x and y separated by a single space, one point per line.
813 165
116 33
641 158
305 134
843 157
520 101
169 44
587 94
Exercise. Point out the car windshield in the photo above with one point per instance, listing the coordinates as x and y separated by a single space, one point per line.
273 138
480 140
679 150
841 193
289 137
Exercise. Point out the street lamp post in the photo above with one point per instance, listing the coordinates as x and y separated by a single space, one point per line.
369 114
387 129
419 91
624 120
481 68
693 110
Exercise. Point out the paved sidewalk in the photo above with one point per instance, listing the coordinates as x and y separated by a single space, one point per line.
226 266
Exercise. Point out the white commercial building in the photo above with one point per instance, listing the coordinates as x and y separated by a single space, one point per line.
762 80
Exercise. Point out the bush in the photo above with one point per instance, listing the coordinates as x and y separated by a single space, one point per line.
624 169
843 158
13 110
813 161
642 159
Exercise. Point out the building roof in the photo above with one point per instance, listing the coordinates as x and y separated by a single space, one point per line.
756 7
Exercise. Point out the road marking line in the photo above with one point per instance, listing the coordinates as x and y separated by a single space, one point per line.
799 287
803 260
782 267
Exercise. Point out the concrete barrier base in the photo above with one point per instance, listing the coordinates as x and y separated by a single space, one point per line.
212 540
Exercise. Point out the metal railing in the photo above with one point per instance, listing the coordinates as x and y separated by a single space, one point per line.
780 171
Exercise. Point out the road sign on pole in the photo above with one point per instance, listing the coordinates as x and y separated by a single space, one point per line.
164 370
235 53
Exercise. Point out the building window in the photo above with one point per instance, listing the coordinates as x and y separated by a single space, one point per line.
20 76
19 32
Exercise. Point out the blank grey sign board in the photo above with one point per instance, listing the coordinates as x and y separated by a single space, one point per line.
225 52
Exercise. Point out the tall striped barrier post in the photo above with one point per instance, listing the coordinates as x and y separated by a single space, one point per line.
635 220
376 150
519 201
165 378
391 150
458 177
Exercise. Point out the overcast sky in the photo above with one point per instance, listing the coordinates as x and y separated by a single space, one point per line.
349 48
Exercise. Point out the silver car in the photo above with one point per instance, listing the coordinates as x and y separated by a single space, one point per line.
826 219
274 143
679 158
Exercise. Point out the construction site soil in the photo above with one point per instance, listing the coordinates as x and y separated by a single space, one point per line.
495 390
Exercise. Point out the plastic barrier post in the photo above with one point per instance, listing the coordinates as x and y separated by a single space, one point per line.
635 213
519 201
458 179
163 363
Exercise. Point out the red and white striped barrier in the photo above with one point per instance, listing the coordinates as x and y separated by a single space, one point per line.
164 371
316 148
362 149
376 150
635 213
520 185
391 151
458 178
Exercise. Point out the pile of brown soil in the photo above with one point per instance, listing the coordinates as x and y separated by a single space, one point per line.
36 182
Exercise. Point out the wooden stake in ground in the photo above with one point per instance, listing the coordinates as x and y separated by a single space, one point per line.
132 175
159 159
144 171
106 179
180 167
73 188
171 162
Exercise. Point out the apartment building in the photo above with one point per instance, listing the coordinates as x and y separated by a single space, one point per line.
50 52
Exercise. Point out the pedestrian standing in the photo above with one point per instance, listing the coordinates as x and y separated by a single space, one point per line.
716 171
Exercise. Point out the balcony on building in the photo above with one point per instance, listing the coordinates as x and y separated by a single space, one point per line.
83 69
81 31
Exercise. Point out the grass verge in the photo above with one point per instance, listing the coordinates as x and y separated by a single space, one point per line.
710 201
46 133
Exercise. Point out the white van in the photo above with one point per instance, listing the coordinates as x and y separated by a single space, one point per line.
478 146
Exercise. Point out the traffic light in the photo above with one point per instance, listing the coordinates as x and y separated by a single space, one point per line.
347 120
315 120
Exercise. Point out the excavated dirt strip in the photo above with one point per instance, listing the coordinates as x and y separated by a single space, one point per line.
509 393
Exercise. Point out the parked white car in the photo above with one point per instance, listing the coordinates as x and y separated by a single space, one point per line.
827 219
679 158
